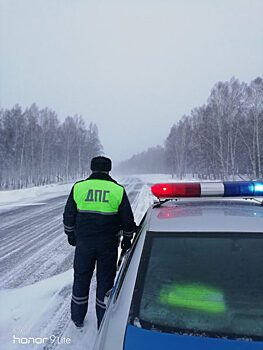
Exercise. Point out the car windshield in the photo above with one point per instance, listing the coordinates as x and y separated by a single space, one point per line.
203 284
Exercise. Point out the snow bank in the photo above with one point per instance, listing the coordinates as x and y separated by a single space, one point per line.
32 195
23 308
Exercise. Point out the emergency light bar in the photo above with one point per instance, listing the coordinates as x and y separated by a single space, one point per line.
208 189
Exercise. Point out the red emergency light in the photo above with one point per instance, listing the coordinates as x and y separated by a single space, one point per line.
172 190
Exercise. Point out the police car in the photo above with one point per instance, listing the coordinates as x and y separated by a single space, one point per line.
193 278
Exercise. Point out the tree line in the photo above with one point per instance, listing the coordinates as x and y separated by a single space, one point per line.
219 140
37 149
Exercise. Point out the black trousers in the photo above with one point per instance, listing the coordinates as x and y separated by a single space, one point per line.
89 254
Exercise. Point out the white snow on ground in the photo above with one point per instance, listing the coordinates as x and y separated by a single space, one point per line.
32 195
30 314
23 308
37 195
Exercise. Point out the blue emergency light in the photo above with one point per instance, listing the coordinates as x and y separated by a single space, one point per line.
243 189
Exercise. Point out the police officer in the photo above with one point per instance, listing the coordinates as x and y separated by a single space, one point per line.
96 210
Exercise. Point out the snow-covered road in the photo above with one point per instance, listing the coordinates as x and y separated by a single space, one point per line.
36 273
33 246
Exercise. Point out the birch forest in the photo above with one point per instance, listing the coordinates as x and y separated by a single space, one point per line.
223 139
37 149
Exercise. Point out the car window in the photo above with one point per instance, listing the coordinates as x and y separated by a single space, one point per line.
201 284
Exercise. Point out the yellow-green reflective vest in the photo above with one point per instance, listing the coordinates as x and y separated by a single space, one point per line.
98 196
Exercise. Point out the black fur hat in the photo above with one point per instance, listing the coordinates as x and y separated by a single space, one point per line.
100 164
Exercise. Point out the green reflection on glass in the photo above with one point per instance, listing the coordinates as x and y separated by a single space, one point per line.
193 296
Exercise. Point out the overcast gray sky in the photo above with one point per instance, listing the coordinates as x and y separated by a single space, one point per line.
134 67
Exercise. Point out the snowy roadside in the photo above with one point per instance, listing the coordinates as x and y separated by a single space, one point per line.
36 195
23 308
29 315
32 195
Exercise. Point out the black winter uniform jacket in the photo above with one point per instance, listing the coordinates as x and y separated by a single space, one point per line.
90 226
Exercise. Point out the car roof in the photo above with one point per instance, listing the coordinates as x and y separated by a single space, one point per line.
206 215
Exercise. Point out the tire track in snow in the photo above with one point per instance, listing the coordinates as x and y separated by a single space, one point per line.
35 250
20 215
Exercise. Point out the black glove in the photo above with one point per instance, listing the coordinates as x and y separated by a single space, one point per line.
72 240
125 244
